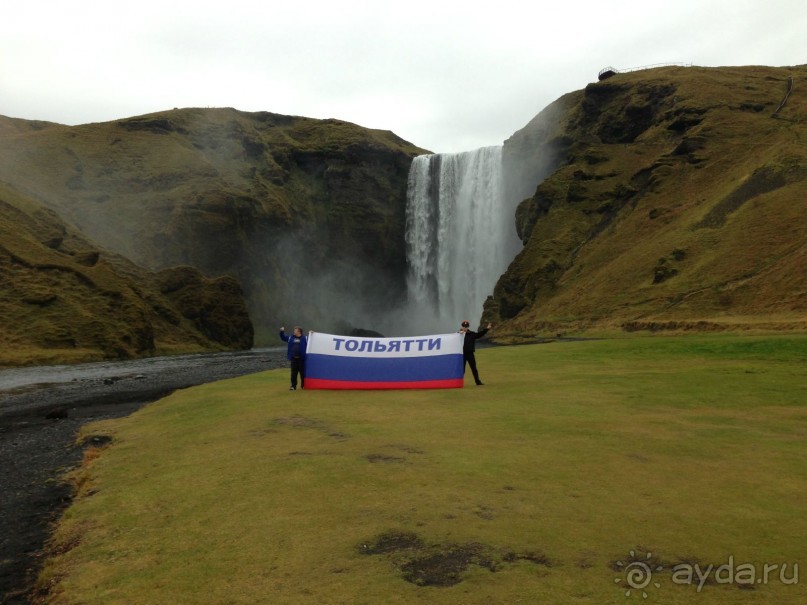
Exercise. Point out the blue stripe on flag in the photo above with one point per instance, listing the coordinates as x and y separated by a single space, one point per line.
389 369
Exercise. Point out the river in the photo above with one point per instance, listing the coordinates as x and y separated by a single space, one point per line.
41 410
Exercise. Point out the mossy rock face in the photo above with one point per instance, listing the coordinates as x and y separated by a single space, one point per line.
619 112
72 301
215 307
630 169
266 198
676 196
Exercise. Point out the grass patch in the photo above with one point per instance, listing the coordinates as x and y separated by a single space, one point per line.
575 461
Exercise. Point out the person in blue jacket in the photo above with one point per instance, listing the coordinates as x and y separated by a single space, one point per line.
296 354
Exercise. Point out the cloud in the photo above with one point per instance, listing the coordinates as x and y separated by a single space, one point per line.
448 76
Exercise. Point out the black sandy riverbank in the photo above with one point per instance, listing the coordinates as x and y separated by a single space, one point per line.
41 410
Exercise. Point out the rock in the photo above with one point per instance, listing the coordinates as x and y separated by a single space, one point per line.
59 413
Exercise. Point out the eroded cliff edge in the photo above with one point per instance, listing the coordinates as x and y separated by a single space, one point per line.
675 200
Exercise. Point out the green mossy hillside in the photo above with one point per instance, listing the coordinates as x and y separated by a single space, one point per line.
675 201
669 199
279 202
64 299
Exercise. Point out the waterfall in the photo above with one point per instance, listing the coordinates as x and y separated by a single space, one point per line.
460 235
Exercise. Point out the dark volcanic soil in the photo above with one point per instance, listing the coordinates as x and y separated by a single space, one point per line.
41 410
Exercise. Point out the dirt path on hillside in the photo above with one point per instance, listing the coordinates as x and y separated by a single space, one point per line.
41 411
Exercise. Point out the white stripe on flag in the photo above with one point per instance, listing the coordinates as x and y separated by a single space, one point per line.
405 346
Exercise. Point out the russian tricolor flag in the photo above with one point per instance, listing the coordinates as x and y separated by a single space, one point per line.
413 362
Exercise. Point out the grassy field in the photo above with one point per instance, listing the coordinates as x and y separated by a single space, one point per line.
577 465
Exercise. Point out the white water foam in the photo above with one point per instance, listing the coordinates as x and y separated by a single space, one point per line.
460 235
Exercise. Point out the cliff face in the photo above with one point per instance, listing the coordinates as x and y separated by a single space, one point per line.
304 213
675 200
671 198
62 299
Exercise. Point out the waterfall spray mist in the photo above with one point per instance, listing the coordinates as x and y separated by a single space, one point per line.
460 235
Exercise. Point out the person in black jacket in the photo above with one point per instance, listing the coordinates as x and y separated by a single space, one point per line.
469 346
297 344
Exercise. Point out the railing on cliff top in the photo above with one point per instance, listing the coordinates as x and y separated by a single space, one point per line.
607 72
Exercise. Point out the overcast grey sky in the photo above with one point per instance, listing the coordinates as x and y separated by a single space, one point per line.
446 75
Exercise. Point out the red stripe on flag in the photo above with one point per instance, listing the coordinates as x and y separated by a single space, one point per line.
322 383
